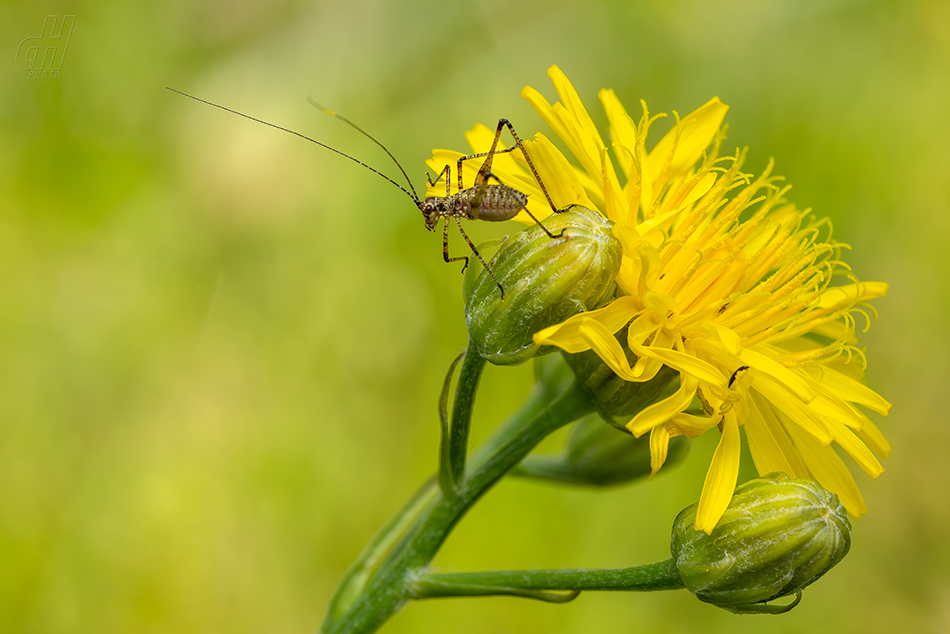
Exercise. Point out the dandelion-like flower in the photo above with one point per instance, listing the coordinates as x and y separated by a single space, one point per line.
723 281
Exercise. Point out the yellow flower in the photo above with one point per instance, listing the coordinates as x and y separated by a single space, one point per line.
724 281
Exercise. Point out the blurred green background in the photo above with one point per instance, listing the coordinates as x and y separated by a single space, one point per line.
222 346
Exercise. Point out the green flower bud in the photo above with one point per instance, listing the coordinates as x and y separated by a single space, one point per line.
546 280
616 399
777 536
598 455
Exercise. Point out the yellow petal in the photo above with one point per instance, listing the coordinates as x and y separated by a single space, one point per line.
662 411
659 446
870 434
851 390
769 444
623 131
692 426
849 294
573 125
603 342
560 179
829 470
684 363
793 407
566 128
573 103
766 452
480 139
615 204
697 131
848 441
730 340
828 406
721 478
682 146
510 164
567 336
546 112
699 189
794 383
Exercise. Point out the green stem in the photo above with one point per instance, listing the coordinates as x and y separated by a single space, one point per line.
545 391
446 475
390 586
471 373
657 576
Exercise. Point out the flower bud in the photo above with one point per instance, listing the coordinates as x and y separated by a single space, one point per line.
616 399
546 280
777 536
598 455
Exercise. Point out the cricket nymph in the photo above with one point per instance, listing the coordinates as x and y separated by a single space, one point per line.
496 203
482 201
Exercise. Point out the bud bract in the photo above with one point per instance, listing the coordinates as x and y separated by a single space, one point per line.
777 536
546 280
552 376
598 454
616 399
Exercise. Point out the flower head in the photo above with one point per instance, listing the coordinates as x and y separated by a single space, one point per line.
723 281
777 537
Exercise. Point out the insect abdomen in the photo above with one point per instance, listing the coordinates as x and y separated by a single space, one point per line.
497 203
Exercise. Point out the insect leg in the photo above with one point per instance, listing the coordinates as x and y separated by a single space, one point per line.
481 179
445 173
519 144
445 246
527 159
445 252
477 191
458 221
485 171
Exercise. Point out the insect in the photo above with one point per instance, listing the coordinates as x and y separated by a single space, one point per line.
482 201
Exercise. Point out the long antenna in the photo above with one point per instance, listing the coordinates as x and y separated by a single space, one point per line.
364 133
412 195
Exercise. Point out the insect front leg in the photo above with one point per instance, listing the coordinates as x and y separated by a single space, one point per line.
445 245
446 174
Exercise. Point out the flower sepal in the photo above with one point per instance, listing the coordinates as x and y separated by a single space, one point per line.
616 399
599 455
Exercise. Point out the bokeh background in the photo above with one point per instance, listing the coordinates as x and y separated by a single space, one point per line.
222 346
